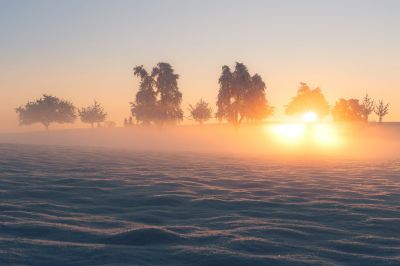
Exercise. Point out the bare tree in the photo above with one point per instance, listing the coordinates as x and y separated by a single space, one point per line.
368 106
381 110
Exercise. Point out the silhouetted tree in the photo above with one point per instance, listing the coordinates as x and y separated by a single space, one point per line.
241 96
368 107
308 100
256 106
226 98
46 110
170 98
144 109
201 112
381 110
158 99
92 114
348 111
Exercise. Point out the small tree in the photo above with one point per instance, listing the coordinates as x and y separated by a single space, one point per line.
348 111
46 110
92 114
201 112
308 100
381 110
368 106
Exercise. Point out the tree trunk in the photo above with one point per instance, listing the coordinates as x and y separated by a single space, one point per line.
380 119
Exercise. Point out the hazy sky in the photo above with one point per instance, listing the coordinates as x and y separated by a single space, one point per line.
85 50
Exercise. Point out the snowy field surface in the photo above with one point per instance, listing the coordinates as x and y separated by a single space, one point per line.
83 206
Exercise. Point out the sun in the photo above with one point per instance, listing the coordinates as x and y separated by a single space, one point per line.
310 117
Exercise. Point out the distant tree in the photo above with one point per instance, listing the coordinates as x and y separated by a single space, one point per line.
241 96
256 106
92 114
46 110
348 111
158 99
227 100
201 112
381 110
368 106
144 109
308 100
170 98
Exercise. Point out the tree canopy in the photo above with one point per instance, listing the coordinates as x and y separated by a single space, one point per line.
348 111
241 96
144 109
158 99
46 110
308 100
201 112
92 114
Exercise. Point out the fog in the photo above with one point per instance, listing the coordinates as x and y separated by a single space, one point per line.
362 141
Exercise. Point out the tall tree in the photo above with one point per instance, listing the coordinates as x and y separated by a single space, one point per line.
46 110
144 109
348 111
368 106
92 114
201 112
308 100
158 99
241 96
170 98
225 96
381 110
255 101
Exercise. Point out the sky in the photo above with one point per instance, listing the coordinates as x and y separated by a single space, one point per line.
85 50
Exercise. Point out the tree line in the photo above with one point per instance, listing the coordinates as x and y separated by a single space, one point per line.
241 97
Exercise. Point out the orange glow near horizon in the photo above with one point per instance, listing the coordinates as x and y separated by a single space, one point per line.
294 134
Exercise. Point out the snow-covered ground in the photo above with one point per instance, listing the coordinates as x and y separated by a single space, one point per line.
93 206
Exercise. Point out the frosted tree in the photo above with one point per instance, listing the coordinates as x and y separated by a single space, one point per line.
348 111
144 109
381 110
158 99
308 100
92 114
170 98
46 111
368 106
201 112
241 96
